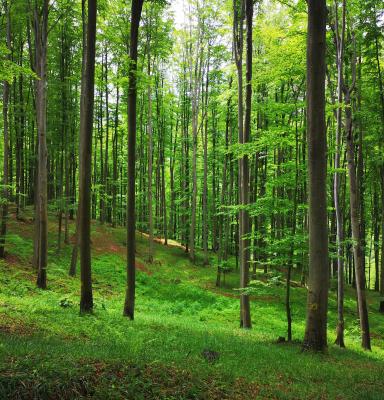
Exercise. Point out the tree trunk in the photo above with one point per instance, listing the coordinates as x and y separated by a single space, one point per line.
5 194
382 243
246 7
205 173
40 21
115 160
318 279
129 305
195 88
336 183
355 225
381 87
85 167
150 159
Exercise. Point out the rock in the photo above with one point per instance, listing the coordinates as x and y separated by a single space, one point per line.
210 355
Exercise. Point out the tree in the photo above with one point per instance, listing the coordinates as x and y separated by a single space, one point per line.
340 38
244 126
5 191
318 279
40 29
150 144
85 171
129 305
195 71
354 200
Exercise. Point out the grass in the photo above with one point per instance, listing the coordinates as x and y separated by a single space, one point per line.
49 351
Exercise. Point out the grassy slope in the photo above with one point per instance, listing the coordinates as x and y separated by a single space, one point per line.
48 350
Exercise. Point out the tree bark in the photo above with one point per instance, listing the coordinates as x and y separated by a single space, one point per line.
40 25
195 75
5 191
336 180
85 167
246 8
382 242
355 225
205 173
318 279
150 151
129 305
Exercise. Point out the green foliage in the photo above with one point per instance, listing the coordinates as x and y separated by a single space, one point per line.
175 322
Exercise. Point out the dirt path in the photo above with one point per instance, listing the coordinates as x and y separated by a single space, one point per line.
170 242
104 243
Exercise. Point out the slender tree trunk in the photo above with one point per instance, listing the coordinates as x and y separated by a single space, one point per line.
150 153
115 160
246 8
336 182
129 305
223 231
195 87
381 87
85 171
75 250
318 279
376 236
292 250
5 191
355 225
40 22
106 160
205 171
382 243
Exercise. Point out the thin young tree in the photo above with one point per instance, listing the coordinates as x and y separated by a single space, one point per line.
195 69
85 167
354 201
40 30
75 249
244 8
5 191
340 38
318 279
129 305
150 143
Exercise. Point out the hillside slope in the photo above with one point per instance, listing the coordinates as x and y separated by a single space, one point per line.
185 342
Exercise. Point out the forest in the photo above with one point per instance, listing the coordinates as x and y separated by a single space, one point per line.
192 199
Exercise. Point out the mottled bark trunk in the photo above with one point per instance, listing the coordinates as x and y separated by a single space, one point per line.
336 182
150 157
195 82
205 172
5 191
318 279
129 304
355 225
85 171
40 21
245 8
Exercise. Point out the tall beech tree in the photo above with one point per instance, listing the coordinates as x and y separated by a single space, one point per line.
40 11
355 212
85 167
195 72
318 277
339 40
129 305
241 9
5 190
150 142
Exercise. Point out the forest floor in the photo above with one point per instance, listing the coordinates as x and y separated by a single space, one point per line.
185 342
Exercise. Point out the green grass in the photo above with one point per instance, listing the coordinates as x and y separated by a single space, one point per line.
48 350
